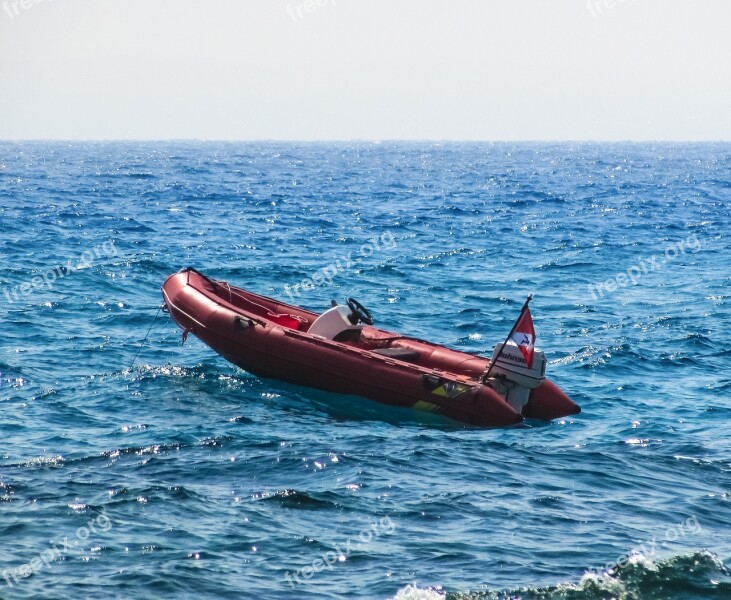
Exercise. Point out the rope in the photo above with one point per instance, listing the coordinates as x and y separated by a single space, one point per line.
159 308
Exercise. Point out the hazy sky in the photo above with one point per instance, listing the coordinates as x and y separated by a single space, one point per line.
366 69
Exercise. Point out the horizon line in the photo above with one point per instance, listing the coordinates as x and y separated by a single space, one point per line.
377 140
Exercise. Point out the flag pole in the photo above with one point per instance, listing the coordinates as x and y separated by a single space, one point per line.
507 339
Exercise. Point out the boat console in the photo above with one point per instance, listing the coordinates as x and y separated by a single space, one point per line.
333 323
341 322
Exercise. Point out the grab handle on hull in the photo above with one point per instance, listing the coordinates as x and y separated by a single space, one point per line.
242 322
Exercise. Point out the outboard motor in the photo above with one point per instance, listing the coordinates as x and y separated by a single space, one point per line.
510 376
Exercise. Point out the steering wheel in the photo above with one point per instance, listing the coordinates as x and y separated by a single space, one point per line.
360 312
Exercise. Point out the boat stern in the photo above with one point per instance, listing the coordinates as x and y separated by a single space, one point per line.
548 402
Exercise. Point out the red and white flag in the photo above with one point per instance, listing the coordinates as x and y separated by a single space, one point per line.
525 336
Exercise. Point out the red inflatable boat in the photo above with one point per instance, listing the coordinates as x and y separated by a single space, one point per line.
340 351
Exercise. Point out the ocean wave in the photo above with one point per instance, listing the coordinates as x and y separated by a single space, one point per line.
690 576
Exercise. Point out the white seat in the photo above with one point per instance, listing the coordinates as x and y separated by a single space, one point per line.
333 322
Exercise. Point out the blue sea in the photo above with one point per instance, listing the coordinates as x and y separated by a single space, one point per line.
158 470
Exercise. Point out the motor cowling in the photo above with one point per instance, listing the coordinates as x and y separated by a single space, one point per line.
511 377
